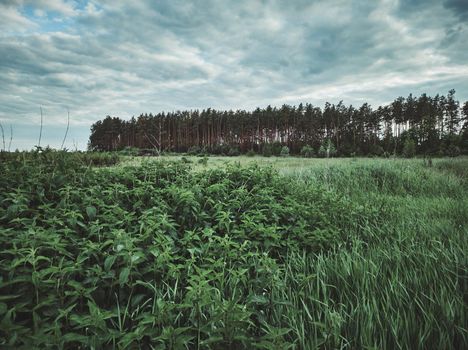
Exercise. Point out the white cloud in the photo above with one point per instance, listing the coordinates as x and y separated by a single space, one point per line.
127 58
13 21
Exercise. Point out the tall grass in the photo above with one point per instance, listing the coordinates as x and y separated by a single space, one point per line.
350 255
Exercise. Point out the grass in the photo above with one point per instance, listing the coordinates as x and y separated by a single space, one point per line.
178 254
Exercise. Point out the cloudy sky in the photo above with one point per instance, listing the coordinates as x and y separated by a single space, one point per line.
125 58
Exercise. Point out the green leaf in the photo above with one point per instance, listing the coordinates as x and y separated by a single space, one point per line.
91 212
258 299
123 277
3 308
109 262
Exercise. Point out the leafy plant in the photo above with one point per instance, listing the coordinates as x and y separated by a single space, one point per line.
409 148
163 256
284 151
307 151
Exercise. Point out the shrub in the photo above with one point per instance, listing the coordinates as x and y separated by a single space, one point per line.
130 151
272 149
322 152
267 150
376 150
453 151
203 161
100 158
194 150
327 149
233 151
250 153
409 148
284 151
307 151
276 148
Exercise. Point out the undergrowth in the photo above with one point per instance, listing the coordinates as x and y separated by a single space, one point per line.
158 256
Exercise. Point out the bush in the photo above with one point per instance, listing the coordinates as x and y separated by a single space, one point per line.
284 151
453 151
276 148
100 158
203 161
250 153
272 149
267 150
327 149
307 151
376 150
194 150
233 151
322 152
130 151
409 148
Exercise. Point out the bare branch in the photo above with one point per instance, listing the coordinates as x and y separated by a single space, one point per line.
40 130
156 147
68 126
3 136
11 138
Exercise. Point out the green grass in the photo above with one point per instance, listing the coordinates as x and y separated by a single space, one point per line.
291 254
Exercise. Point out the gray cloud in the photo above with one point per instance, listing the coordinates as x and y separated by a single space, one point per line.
125 58
459 7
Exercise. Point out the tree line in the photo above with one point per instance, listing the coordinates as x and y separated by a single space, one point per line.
420 125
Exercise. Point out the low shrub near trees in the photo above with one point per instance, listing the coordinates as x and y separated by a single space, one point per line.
60 158
307 151
409 148
327 149
284 151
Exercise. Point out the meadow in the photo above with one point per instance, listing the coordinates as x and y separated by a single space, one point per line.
184 252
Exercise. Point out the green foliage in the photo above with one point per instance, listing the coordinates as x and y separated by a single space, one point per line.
203 161
161 256
327 149
453 150
272 149
267 150
130 151
377 150
250 153
117 256
233 151
434 123
43 156
409 148
284 151
194 150
307 151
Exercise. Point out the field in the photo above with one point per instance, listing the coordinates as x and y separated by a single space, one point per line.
232 253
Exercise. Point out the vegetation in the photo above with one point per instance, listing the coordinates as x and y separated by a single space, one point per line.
61 158
307 151
284 151
409 148
343 255
438 126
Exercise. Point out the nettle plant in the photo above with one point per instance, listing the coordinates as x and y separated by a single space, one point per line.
153 256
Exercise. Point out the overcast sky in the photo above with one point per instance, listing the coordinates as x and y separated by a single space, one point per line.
125 58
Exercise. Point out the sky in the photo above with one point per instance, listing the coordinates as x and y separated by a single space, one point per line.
124 58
